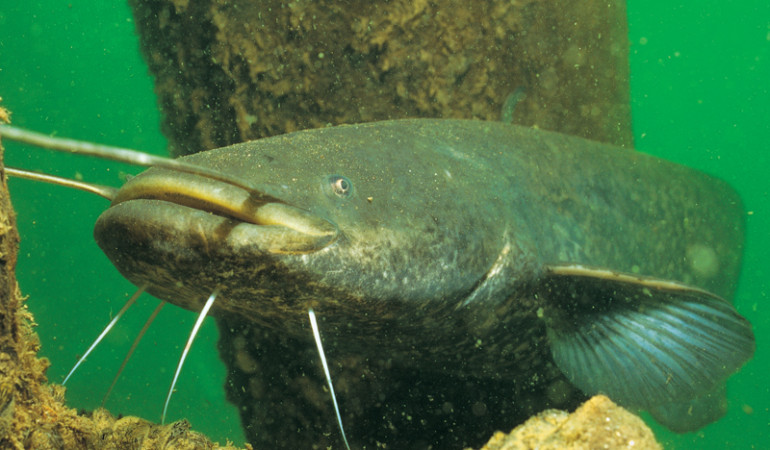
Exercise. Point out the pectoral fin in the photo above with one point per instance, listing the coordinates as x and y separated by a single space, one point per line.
644 342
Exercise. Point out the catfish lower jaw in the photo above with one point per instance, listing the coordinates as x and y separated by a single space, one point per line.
182 254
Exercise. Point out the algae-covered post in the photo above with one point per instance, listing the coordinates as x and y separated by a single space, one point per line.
231 71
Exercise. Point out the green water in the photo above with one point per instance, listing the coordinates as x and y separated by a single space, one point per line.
74 68
700 76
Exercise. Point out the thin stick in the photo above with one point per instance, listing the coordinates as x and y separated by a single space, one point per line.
193 333
105 331
317 336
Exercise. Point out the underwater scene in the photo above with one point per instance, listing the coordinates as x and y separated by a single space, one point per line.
699 97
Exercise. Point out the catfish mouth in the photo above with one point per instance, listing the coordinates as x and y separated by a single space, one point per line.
262 219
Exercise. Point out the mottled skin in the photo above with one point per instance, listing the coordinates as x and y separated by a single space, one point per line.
428 288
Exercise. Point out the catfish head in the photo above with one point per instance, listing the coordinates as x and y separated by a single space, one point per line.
363 223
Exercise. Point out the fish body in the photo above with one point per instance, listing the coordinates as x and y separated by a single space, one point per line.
529 262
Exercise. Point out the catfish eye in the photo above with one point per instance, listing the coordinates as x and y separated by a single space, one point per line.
341 186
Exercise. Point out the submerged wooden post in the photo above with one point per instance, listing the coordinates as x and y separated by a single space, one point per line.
230 71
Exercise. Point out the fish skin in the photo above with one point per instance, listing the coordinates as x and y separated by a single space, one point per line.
436 268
